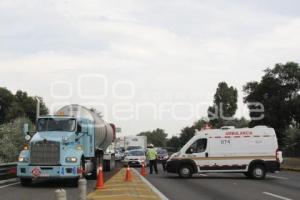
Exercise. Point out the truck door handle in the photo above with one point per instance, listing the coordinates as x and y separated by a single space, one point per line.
206 154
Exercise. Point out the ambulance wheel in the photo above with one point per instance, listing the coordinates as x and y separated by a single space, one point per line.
26 181
185 171
258 171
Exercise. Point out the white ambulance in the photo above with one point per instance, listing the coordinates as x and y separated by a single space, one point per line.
252 151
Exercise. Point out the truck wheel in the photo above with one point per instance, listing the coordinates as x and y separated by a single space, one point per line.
185 171
96 163
26 181
258 171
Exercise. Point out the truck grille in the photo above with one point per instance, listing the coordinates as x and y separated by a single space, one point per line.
45 153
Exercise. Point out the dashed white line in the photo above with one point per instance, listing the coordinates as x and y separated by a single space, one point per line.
277 196
4 186
279 177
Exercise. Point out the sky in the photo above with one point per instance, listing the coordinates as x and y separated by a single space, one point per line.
143 64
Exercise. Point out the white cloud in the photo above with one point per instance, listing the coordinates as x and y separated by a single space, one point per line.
171 50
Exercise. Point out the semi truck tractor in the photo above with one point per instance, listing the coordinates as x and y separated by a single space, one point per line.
72 143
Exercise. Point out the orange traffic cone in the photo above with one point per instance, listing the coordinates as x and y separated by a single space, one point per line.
143 169
128 174
100 184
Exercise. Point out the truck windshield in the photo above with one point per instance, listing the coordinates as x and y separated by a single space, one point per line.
58 124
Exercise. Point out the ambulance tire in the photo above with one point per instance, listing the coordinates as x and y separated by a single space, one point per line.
258 172
185 171
26 181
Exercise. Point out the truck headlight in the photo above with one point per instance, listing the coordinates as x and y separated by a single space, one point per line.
71 159
23 159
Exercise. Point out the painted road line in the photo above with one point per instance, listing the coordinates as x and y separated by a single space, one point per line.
4 186
277 196
279 177
8 181
153 188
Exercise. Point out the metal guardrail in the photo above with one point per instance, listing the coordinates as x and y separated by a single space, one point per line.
8 169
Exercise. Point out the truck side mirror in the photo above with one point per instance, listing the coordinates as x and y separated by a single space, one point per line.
25 129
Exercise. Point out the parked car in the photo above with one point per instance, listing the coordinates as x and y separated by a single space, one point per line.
119 155
162 155
135 158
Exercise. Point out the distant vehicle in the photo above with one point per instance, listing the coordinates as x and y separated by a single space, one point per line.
135 158
252 151
162 154
134 148
119 155
135 141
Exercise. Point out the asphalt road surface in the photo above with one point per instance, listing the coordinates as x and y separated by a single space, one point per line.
284 185
44 190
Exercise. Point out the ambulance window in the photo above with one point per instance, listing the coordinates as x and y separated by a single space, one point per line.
201 145
198 146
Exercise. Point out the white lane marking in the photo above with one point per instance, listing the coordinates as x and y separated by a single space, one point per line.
4 186
279 177
277 196
152 187
8 181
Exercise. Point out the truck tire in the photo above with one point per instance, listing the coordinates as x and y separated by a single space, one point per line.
26 181
258 171
185 171
97 160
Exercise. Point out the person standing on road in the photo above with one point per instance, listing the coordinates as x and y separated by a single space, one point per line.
152 157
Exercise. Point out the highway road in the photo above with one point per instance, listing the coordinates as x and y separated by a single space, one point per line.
284 185
44 190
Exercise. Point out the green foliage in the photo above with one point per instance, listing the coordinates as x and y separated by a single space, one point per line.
278 91
174 143
157 137
12 139
6 98
225 105
18 105
292 142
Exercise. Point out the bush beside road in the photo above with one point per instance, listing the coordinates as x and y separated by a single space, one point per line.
292 164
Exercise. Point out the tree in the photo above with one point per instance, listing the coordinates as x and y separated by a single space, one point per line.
12 139
6 97
19 105
278 92
157 137
28 104
186 134
224 105
174 143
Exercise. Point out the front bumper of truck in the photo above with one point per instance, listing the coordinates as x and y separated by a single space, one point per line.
68 171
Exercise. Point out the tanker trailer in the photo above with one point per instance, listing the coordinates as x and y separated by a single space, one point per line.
67 145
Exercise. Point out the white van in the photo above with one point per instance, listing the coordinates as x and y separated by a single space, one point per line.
252 151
